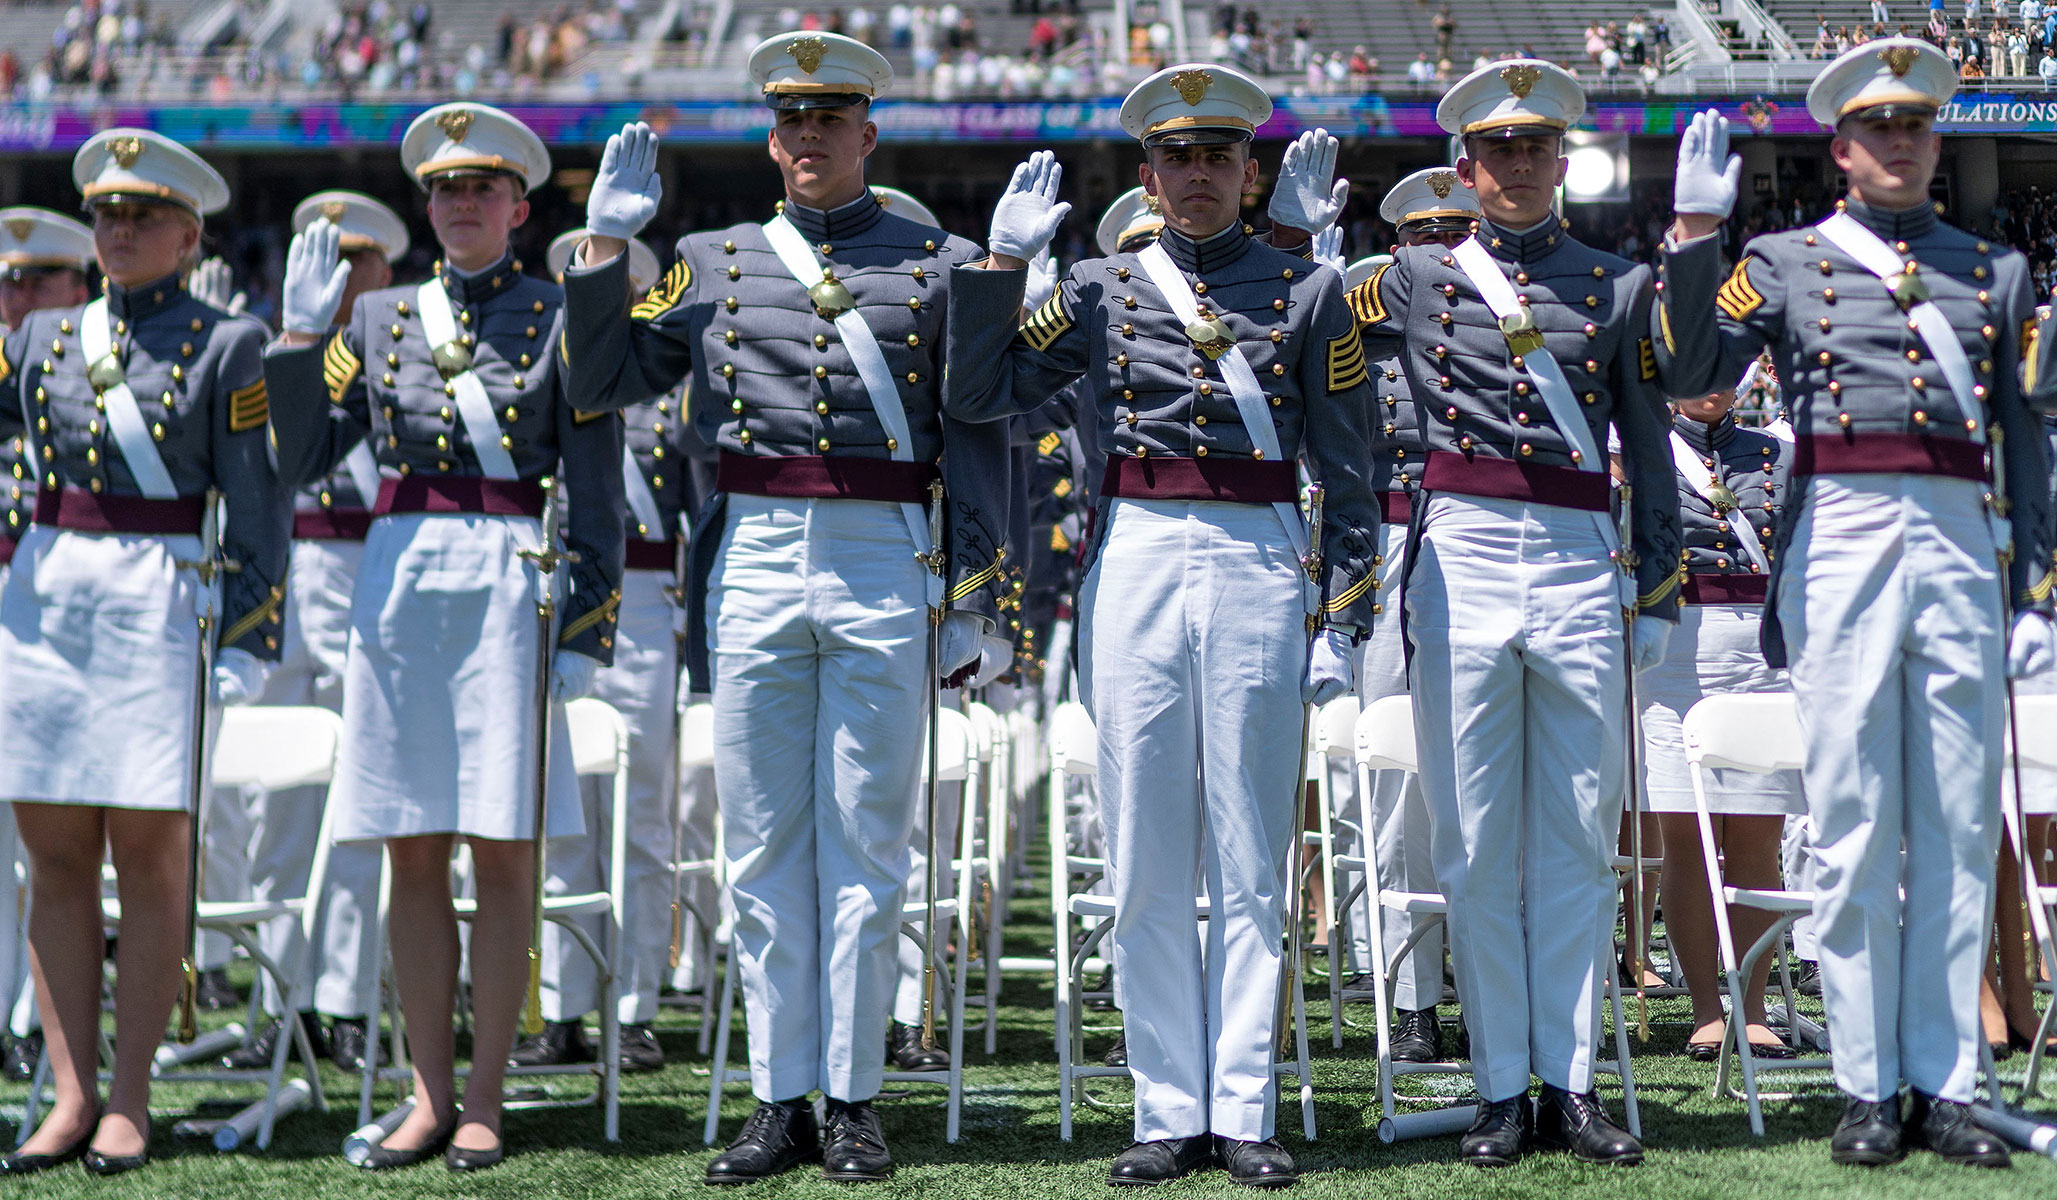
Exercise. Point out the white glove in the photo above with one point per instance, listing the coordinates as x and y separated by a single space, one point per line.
1308 195
957 642
210 284
1331 668
1028 214
238 677
626 188
315 276
572 675
996 654
1708 174
1648 637
1328 248
1042 281
2032 647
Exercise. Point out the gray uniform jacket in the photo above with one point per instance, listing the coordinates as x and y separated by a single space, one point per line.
1158 396
20 502
1397 448
1850 365
377 377
1597 314
197 377
1756 468
770 376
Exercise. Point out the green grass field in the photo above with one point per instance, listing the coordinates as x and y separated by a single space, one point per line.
1010 1147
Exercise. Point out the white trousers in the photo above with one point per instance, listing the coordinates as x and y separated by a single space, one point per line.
1193 649
819 620
642 685
1891 608
1515 612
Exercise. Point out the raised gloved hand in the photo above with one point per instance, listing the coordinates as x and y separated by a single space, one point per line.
572 675
958 642
1042 281
1331 667
1647 638
238 678
1028 214
211 285
626 187
1708 174
2031 646
315 277
1328 248
1308 195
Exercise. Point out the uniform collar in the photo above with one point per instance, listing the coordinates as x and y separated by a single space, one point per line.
136 303
1894 224
1706 439
471 288
834 224
1207 255
1522 245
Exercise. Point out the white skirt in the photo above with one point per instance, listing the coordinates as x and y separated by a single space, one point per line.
98 646
438 702
1713 652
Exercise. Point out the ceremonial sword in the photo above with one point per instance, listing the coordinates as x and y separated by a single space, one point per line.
936 560
545 559
206 567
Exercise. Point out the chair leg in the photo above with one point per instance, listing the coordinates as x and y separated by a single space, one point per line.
717 1073
1621 1054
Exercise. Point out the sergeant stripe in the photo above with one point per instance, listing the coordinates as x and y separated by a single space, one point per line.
974 582
1365 302
6 368
339 368
1739 297
1351 595
1346 363
1047 324
248 407
664 295
2040 590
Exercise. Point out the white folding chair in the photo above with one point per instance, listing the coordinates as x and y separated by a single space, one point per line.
600 748
1344 876
2034 719
696 753
272 749
1385 742
989 815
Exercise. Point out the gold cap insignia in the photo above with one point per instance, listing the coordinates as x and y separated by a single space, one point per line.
19 228
126 150
1520 80
334 211
1898 59
1191 85
1441 183
807 52
455 123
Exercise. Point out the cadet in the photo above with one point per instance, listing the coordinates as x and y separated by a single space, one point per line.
814 346
1215 363
1521 346
1901 343
458 384
145 403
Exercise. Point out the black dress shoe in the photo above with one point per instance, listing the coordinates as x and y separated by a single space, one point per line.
1501 1133
776 1138
115 1164
29 1164
853 1147
257 1055
1264 1164
1868 1134
346 1043
1578 1122
639 1049
1117 1054
380 1158
1145 1164
1946 1127
560 1043
1417 1037
904 1050
23 1054
1809 982
457 1158
216 992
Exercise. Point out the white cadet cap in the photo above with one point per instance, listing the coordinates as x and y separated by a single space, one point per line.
1508 99
799 69
37 237
366 224
643 270
1134 215
1195 104
1361 269
1904 74
136 166
473 139
1434 196
900 204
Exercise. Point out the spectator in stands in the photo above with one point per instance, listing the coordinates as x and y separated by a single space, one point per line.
1610 63
1824 44
1970 11
1421 72
1362 67
2048 68
1445 24
2031 14
2017 52
1636 38
1660 37
1596 40
1879 15
1303 42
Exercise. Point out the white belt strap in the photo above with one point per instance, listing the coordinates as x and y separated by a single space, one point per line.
641 502
872 371
1493 287
124 418
363 470
474 406
1695 470
1235 370
1853 239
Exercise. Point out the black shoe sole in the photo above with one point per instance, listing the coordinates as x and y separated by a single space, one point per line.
460 1160
1266 1181
857 1176
1864 1158
104 1164
1491 1160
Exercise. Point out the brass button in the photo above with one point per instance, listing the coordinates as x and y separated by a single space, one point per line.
1278 368
447 413
821 341
728 371
913 377
743 436
1592 302
1920 417
1200 420
1527 449
1278 335
1128 330
821 372
736 405
1278 306
914 303
914 339
729 304
822 407
892 443
1199 289
1128 302
920 274
729 336
821 443
1121 360
728 247
735 272
511 413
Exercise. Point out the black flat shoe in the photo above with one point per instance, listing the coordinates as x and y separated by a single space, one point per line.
776 1138
1946 1127
1264 1164
346 1043
1417 1037
904 1050
1500 1134
115 1164
457 1158
1704 1051
29 1164
1146 1164
639 1049
379 1158
1867 1134
560 1044
1117 1054
1578 1122
853 1147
